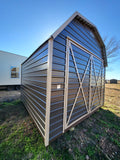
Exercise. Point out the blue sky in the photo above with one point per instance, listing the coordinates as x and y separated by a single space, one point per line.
25 24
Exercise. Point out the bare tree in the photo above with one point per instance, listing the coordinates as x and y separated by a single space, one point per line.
112 47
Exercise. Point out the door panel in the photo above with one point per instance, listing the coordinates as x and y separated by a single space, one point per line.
83 83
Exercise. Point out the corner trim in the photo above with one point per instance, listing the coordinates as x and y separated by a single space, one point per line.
48 91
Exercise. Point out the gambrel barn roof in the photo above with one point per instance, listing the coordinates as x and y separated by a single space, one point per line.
85 21
82 19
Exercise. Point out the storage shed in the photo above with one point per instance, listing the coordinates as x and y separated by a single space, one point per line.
113 81
63 80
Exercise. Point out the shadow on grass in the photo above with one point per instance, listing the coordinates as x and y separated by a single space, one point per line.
96 137
10 109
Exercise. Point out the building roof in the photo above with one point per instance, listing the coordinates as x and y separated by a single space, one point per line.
84 20
89 24
113 79
5 52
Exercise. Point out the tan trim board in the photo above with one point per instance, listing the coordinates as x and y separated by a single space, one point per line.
77 120
48 91
82 118
83 48
90 83
66 86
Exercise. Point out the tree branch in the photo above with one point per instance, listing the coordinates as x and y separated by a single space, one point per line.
112 47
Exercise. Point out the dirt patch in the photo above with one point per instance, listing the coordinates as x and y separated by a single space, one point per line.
8 96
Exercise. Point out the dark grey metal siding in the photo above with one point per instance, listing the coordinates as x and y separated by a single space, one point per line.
84 36
33 89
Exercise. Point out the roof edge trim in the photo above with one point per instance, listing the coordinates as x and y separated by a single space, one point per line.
75 14
54 35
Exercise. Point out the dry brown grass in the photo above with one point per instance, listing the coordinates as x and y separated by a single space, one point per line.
112 98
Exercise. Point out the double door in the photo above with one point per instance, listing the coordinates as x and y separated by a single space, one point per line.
84 83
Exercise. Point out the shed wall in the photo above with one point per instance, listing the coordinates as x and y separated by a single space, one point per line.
87 39
33 89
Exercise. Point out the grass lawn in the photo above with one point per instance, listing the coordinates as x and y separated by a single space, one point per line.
96 138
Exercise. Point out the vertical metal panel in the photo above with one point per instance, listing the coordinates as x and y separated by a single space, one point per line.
33 88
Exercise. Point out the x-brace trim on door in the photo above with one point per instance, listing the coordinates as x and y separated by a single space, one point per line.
70 42
80 87
96 81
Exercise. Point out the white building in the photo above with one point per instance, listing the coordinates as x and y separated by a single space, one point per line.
10 69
